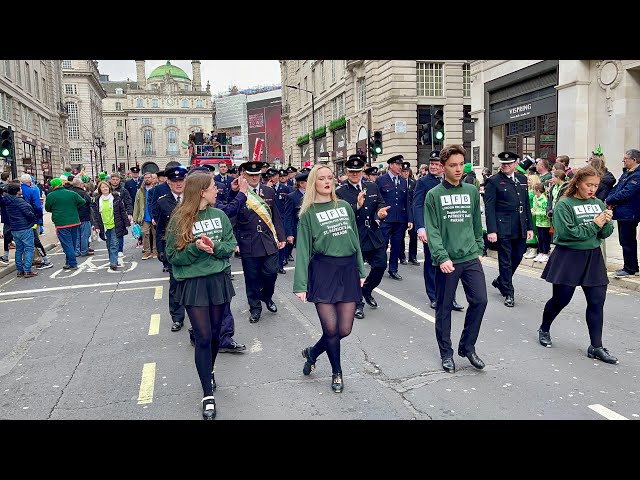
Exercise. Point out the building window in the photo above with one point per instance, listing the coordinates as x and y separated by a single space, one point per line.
318 117
322 75
27 76
429 79
44 92
527 125
44 127
7 68
171 121
70 89
139 103
338 106
18 73
306 87
66 64
361 93
147 142
195 121
119 91
118 106
466 80
333 71
154 103
147 121
118 123
36 83
75 155
199 103
121 151
172 142
120 135
73 127
185 103
304 126
6 112
27 118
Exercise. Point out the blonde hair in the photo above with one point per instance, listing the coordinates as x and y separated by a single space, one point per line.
310 193
533 180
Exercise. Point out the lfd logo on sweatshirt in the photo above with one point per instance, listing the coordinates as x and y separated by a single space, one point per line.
457 199
457 207
210 227
334 221
586 213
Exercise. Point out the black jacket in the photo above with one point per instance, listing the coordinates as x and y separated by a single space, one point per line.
606 185
507 207
119 215
371 237
85 211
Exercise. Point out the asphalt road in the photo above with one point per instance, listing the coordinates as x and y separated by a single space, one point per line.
84 345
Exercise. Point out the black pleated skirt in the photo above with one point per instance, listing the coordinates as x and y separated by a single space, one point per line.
214 289
333 279
568 266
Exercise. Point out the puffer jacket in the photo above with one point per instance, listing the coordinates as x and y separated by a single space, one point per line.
606 185
625 197
20 213
119 215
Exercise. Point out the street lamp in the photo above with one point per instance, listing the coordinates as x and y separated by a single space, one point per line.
313 117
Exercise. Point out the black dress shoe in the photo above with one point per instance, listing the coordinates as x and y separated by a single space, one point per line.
404 262
448 365
233 347
359 313
209 408
290 258
282 271
310 363
271 306
544 338
254 318
336 382
395 275
457 307
433 305
475 360
509 301
176 326
414 262
601 353
370 300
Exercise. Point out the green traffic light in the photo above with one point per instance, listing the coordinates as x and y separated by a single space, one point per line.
439 135
5 152
378 150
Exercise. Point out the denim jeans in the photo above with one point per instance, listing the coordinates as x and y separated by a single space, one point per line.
82 242
67 237
112 245
24 246
120 243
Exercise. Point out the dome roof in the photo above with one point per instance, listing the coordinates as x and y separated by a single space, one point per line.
175 72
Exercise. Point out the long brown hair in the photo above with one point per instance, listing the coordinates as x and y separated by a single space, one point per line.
578 177
184 215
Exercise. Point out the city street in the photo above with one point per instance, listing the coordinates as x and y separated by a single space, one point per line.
96 344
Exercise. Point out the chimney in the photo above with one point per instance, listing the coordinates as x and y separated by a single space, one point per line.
142 80
196 83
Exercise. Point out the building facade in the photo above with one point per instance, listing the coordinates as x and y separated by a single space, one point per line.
31 103
547 108
83 95
148 122
264 112
330 108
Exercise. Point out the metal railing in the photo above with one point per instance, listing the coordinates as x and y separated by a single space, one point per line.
212 150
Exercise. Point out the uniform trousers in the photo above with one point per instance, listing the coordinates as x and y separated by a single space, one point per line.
260 274
175 308
429 273
510 252
413 245
629 244
472 276
377 260
393 232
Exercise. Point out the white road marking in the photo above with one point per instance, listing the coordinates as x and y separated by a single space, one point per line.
8 281
90 285
404 304
606 413
16 299
147 383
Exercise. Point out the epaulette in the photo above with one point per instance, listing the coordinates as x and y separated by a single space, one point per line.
339 187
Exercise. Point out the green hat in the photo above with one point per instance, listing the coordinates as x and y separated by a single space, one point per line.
102 175
468 167
598 152
55 182
85 178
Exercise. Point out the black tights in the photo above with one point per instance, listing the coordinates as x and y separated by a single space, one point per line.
595 309
336 320
206 322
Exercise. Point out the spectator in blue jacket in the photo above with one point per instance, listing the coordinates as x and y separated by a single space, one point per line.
21 219
31 193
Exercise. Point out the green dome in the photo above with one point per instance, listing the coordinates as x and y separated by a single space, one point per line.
175 72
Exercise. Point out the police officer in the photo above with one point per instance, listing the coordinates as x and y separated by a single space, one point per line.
282 190
260 236
224 176
413 239
370 174
395 193
291 173
368 206
133 184
165 205
423 185
509 222
292 205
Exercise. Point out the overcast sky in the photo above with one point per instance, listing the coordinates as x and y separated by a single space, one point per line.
222 74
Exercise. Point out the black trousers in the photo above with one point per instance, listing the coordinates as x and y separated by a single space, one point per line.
629 244
377 260
175 308
544 240
413 245
429 273
393 233
260 274
472 276
8 236
227 329
510 251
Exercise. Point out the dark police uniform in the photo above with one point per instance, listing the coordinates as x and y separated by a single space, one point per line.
226 180
291 181
508 214
370 171
133 184
282 190
394 225
165 205
292 206
372 242
258 247
413 236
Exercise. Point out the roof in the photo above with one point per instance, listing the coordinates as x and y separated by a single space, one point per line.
110 87
162 70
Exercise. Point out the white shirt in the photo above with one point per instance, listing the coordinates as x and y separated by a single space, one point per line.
176 197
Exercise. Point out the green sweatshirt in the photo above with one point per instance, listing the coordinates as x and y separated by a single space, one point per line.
573 224
453 223
327 229
191 262
63 205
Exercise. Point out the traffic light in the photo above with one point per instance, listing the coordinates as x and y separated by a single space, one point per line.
437 125
377 143
6 142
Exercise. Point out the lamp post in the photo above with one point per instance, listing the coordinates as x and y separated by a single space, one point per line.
313 117
126 140
100 144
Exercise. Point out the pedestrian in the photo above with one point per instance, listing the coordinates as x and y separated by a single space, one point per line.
63 205
407 174
282 190
292 205
21 217
329 268
470 176
509 223
580 222
542 222
624 199
142 217
134 183
84 212
564 160
200 242
110 219
369 208
532 245
118 187
454 231
371 174
558 186
32 196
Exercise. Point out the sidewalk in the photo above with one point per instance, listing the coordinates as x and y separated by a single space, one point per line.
48 240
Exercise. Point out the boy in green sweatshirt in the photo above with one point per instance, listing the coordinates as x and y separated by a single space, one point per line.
454 231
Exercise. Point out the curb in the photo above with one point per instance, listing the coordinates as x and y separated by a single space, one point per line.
12 268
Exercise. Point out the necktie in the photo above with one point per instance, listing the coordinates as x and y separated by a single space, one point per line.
179 199
395 180
358 187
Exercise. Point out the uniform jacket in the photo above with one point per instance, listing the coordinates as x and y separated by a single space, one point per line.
368 229
254 237
119 215
158 191
625 197
227 181
292 206
423 185
398 198
281 195
507 206
133 186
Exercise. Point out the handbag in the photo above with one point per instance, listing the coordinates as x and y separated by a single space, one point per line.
136 231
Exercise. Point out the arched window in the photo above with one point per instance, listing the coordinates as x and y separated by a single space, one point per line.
199 104
172 142
139 103
147 142
185 103
154 103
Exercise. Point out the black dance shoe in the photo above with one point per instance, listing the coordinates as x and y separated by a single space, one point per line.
176 326
336 382
603 354
310 364
209 408
544 338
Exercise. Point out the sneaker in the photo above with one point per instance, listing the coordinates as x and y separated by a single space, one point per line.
30 274
45 265
531 252
120 254
544 258
69 267
622 273
4 260
146 256
20 274
538 258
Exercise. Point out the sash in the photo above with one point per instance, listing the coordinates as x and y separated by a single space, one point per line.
258 205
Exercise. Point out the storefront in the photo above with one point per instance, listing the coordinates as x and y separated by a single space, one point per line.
28 157
522 113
